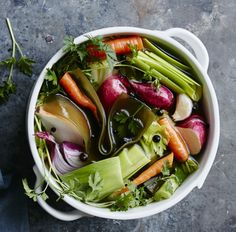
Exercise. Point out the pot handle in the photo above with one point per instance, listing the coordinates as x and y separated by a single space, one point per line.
194 42
64 216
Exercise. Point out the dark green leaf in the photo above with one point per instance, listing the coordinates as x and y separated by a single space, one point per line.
121 116
69 45
8 62
25 65
6 89
121 131
134 125
51 76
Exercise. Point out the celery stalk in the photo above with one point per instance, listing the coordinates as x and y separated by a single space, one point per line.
172 68
167 189
132 160
154 73
164 56
172 76
109 170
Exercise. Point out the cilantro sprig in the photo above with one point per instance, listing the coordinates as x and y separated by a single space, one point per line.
23 63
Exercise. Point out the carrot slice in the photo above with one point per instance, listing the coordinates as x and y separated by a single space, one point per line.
176 142
70 86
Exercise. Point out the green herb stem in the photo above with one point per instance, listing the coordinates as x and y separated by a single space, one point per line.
13 47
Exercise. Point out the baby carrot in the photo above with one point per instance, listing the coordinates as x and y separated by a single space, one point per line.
176 142
70 86
154 169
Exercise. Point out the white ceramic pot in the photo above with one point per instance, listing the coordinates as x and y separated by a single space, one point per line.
199 63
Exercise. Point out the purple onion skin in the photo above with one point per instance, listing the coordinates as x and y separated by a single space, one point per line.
197 123
71 147
65 156
160 98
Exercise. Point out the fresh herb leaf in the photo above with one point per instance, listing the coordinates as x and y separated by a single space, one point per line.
126 120
50 87
133 198
6 89
166 169
135 125
95 181
25 65
28 191
151 147
121 116
79 50
8 62
51 76
69 45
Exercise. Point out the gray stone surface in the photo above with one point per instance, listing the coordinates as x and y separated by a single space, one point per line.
41 25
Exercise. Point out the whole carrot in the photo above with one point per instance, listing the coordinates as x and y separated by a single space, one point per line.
124 45
70 86
176 142
120 46
154 169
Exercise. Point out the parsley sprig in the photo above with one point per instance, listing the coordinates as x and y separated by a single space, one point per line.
24 64
127 120
81 50
136 196
50 86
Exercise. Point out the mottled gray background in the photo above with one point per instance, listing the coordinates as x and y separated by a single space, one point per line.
37 22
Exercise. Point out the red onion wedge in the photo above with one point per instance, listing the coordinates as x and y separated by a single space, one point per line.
66 157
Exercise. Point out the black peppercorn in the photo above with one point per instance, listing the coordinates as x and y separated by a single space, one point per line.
156 138
83 157
159 112
195 106
53 129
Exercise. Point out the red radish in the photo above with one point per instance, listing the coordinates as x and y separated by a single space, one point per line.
194 132
160 98
110 90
